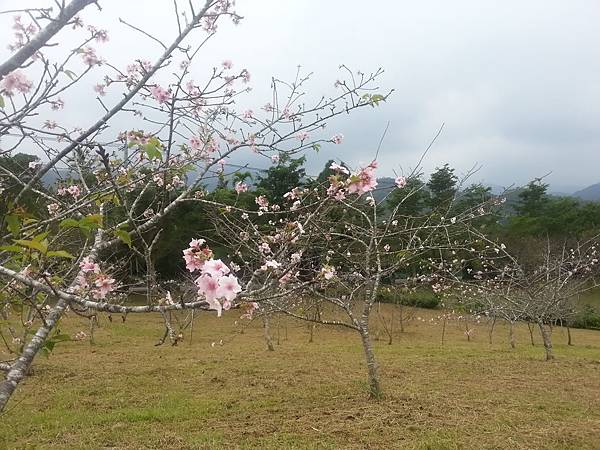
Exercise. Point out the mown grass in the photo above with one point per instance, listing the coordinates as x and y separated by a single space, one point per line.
123 392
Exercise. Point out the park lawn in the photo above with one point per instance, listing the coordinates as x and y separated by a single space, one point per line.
123 392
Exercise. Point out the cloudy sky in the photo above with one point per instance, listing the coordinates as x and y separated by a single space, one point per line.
516 83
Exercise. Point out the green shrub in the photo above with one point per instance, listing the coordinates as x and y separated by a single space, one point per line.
419 299
588 317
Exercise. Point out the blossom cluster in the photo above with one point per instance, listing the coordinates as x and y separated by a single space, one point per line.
91 277
215 283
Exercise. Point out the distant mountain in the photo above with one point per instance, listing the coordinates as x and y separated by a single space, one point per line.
590 193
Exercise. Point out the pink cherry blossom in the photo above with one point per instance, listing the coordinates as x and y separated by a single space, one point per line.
338 168
160 95
192 262
215 267
195 142
100 89
337 138
248 114
227 64
364 180
400 182
88 54
87 265
196 243
16 81
241 187
228 287
302 136
262 201
104 285
53 208
245 76
328 272
275 158
74 190
207 287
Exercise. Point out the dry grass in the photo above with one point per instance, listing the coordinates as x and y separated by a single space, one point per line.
125 393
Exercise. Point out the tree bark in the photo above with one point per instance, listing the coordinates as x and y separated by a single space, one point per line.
42 38
511 332
267 329
391 328
570 341
492 329
373 370
444 329
21 366
531 334
547 338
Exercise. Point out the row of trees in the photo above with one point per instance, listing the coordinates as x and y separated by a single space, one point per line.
318 250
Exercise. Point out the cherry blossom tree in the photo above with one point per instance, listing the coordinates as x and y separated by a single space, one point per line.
542 290
323 255
95 196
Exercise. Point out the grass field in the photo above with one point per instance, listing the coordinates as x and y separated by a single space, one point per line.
123 392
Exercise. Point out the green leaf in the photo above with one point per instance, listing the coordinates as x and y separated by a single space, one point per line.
69 223
124 236
12 248
59 254
152 148
14 224
40 237
92 221
375 99
34 245
316 147
2 102
70 74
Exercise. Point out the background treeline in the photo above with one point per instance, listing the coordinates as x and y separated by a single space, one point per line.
526 218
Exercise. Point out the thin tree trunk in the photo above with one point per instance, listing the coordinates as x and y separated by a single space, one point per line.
391 328
192 328
278 333
267 329
547 338
492 329
531 333
21 366
401 318
444 329
374 384
570 341
511 332
93 322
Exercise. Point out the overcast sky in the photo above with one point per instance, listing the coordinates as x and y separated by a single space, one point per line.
517 83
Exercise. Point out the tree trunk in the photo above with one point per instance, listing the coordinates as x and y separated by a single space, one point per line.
570 341
511 332
21 366
492 329
278 332
374 384
267 329
444 329
547 338
93 322
391 328
401 318
531 333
